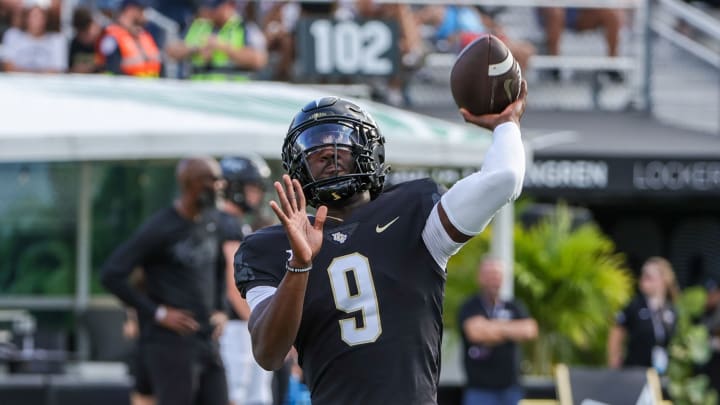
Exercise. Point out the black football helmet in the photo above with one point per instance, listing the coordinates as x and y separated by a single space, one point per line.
335 122
239 171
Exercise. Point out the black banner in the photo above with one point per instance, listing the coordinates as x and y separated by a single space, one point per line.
557 176
327 47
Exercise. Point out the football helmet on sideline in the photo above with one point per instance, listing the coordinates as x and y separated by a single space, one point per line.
239 171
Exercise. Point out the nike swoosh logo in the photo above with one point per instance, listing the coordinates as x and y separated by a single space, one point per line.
381 229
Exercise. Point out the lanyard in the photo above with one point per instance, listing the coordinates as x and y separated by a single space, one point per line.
656 317
493 311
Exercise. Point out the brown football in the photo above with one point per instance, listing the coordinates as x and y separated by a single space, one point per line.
485 77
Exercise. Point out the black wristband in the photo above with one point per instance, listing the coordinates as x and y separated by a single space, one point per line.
292 269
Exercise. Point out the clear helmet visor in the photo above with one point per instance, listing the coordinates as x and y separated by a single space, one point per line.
325 135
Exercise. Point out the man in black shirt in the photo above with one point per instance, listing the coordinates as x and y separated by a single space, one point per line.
179 251
491 328
358 288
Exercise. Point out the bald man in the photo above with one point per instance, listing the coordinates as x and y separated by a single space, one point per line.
182 312
491 328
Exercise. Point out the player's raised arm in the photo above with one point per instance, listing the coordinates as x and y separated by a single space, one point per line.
466 209
275 322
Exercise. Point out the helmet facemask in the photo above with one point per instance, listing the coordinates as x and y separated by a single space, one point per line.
363 143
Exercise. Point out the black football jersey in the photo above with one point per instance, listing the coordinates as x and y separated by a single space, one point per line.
372 318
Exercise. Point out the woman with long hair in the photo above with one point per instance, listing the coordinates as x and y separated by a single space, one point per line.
645 326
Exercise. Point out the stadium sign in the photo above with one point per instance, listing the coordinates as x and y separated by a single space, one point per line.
573 174
344 48
674 175
587 177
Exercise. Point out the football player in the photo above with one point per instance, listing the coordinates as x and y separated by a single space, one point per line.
246 179
358 288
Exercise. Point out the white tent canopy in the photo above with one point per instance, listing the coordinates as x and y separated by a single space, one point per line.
94 118
85 118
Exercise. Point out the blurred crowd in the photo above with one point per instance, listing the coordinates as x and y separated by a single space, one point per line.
251 39
248 40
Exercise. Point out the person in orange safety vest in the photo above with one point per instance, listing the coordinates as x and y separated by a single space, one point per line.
126 48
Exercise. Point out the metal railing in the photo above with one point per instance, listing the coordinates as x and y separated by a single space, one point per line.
634 63
667 15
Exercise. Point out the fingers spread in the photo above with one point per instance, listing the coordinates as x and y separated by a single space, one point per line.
282 197
278 212
290 191
301 195
320 217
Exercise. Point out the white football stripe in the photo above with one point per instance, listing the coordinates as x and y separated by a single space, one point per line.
502 67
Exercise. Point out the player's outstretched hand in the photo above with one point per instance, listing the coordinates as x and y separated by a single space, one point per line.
511 113
305 238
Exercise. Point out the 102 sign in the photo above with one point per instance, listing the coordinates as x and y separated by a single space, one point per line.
328 47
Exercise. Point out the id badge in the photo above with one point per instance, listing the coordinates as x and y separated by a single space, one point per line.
659 359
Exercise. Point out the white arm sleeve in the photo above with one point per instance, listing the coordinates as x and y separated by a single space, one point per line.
258 294
437 240
471 203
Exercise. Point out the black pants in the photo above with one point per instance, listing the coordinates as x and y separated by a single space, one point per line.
189 373
139 370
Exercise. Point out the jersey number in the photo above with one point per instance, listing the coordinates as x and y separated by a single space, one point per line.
355 269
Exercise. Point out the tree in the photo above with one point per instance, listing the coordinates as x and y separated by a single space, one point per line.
689 349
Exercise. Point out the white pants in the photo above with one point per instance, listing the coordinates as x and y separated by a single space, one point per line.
248 383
